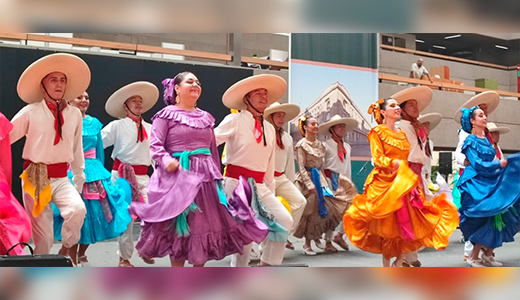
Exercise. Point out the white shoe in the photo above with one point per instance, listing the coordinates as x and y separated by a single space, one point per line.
254 256
490 261
320 245
308 251
475 263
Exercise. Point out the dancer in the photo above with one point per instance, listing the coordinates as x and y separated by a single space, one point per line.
489 192
412 102
487 101
131 153
496 132
391 217
285 173
429 122
250 153
187 216
15 224
324 211
53 143
107 209
337 166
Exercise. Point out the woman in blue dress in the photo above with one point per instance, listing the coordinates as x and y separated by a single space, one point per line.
107 207
489 192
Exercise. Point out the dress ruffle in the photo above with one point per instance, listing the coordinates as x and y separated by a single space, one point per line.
432 227
214 233
95 227
389 137
94 170
91 126
196 119
315 148
5 127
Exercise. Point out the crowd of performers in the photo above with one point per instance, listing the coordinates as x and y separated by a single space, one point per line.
190 211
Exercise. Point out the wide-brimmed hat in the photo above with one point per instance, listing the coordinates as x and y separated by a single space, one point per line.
291 110
275 85
350 124
492 127
147 90
491 98
433 118
422 94
76 70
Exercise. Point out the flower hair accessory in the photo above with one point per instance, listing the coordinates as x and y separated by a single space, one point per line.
169 88
375 109
465 119
300 125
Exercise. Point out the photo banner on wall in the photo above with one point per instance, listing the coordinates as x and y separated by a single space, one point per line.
336 74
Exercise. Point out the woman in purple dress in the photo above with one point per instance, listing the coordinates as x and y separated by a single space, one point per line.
187 216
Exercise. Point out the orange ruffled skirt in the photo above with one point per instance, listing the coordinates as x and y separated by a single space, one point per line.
371 222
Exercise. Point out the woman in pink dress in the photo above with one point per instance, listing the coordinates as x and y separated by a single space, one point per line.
15 226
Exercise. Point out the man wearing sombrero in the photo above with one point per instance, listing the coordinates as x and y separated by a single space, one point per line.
284 170
53 143
131 154
250 152
337 167
487 101
495 133
429 122
412 102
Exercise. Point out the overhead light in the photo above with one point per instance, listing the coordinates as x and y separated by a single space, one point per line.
440 47
419 41
501 47
452 36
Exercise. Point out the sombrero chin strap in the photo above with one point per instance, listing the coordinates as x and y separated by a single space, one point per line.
342 152
261 121
141 131
56 109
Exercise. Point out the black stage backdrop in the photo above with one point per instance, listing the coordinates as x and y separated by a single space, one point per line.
108 74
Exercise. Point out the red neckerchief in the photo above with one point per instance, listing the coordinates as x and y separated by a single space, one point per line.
141 131
422 137
342 152
257 131
495 145
279 138
58 118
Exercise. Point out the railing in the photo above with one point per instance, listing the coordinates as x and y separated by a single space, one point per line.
445 57
439 85
224 58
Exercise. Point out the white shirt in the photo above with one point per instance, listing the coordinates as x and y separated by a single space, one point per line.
242 149
284 158
458 151
332 161
36 122
417 155
122 134
419 72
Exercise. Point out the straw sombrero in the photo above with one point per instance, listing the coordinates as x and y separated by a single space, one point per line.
422 94
291 110
148 91
350 123
275 85
76 70
491 98
433 118
494 128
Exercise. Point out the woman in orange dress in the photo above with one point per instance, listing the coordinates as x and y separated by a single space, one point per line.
392 217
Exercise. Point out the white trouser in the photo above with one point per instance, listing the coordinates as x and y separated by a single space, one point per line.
126 241
297 202
468 248
72 210
273 252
